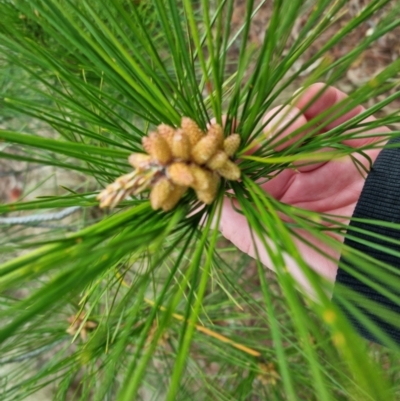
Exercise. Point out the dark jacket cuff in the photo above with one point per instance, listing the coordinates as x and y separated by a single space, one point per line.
370 296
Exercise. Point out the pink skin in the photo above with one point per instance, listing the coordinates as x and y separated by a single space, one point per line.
331 187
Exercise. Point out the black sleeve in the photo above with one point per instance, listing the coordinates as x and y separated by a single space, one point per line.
379 200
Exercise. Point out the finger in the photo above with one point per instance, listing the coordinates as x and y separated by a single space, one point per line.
365 136
234 227
285 121
278 185
280 124
319 98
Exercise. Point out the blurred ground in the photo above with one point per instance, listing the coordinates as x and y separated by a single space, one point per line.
372 61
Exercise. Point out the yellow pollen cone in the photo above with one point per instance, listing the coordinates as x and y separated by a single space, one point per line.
174 197
139 160
166 132
159 149
205 149
231 144
180 146
160 193
217 131
180 174
230 171
218 160
192 130
202 178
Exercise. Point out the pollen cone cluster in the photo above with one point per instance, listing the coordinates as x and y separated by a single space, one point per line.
176 160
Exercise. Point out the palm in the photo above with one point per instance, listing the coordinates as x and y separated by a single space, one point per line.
333 187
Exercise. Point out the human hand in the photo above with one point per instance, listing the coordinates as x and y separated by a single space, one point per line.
332 187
